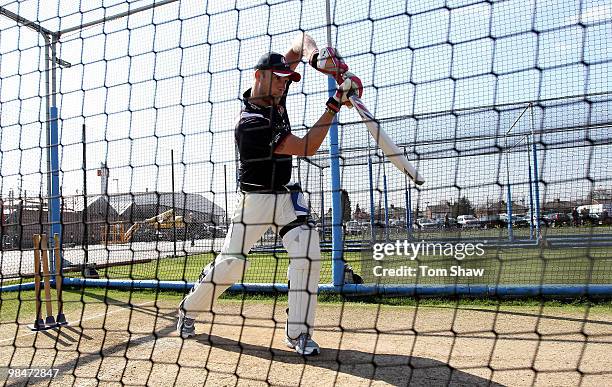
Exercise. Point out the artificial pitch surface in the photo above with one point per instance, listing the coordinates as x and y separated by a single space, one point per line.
112 341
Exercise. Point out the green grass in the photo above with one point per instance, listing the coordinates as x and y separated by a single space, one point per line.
265 268
502 266
19 306
516 266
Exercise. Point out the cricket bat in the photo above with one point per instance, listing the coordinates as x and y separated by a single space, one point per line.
392 151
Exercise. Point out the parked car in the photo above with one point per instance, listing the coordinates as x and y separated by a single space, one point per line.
503 217
397 223
448 223
427 224
544 221
353 228
491 221
365 226
520 221
468 221
217 231
559 219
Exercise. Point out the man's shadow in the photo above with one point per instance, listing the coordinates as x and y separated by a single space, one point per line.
397 370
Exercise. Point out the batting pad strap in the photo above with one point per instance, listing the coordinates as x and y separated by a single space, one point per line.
300 207
302 220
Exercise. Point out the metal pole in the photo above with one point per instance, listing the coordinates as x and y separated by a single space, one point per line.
337 242
371 178
509 190
118 16
173 201
51 125
51 144
225 193
85 220
408 194
386 202
53 162
25 22
48 125
536 179
508 194
329 22
322 203
531 212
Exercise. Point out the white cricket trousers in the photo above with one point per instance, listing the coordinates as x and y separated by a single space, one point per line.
253 215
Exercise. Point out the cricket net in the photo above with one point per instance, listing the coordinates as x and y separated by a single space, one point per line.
118 181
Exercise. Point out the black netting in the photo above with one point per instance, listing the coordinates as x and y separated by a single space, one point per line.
119 181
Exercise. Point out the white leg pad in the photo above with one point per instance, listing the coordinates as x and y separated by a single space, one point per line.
302 244
222 273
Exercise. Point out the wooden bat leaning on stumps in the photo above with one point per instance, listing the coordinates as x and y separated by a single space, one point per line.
392 151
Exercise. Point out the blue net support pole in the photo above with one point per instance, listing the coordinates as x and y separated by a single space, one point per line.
54 197
469 290
323 225
54 189
337 242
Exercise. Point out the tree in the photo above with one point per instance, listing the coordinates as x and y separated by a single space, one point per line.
357 213
328 214
345 205
462 207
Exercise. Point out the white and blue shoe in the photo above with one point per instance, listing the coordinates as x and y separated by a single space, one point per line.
303 345
185 326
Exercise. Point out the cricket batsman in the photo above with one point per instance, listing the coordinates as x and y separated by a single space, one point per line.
266 146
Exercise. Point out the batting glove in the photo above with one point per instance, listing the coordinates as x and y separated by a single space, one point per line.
351 85
329 62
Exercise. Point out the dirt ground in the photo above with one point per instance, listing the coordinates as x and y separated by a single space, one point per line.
361 345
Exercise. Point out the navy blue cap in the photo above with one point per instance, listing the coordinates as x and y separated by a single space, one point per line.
278 64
